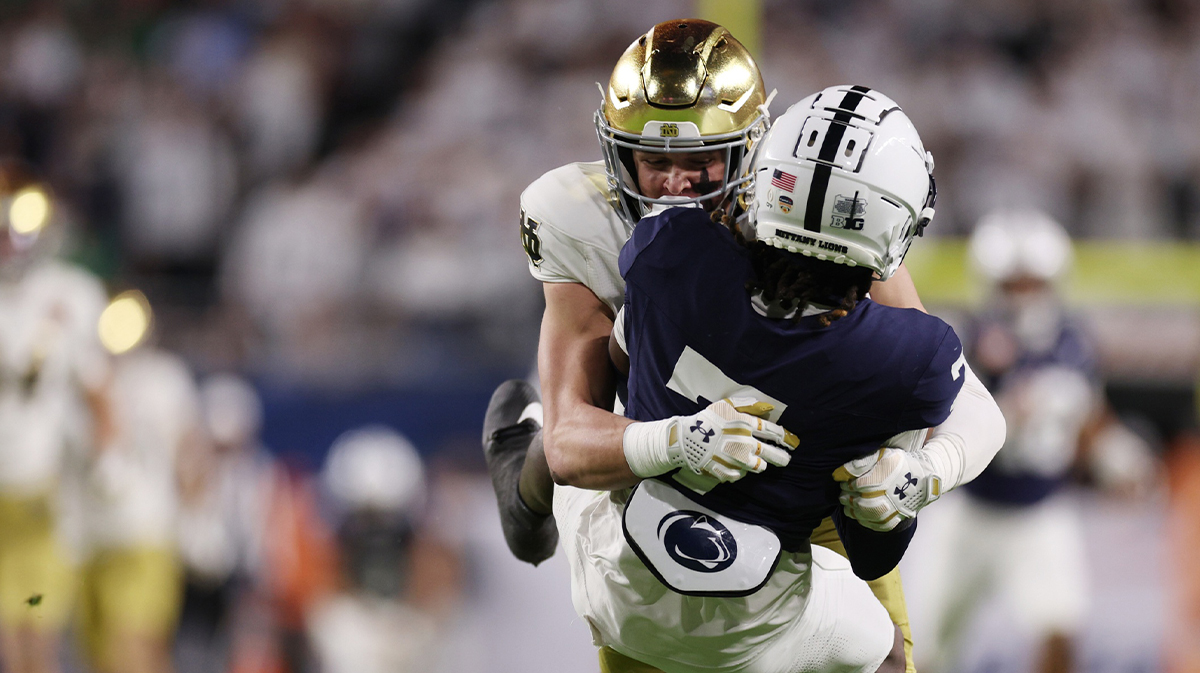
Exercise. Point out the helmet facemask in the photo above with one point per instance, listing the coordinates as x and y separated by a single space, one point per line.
686 86
618 147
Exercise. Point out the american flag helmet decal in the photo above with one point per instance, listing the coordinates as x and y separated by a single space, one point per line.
783 180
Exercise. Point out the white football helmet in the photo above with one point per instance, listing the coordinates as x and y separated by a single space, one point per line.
375 468
1009 244
233 411
842 176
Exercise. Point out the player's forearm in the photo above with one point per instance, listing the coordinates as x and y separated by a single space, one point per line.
582 438
584 448
962 446
872 553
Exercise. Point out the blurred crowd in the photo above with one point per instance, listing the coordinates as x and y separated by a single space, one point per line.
324 193
328 190
1087 110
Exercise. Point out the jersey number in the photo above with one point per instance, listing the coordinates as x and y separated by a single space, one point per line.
530 240
695 378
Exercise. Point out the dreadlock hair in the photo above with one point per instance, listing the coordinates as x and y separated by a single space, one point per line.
796 281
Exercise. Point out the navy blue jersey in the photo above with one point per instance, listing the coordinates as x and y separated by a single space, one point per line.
1007 482
693 336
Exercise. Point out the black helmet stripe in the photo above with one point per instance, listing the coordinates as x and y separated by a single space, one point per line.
829 148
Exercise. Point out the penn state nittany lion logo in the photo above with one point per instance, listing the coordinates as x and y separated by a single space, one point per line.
697 541
848 212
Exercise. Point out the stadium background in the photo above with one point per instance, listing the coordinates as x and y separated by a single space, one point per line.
322 196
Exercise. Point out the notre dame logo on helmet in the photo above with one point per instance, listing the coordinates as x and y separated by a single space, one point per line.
530 240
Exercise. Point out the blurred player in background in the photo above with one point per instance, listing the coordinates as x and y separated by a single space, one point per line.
52 369
133 582
221 526
1014 531
377 485
684 103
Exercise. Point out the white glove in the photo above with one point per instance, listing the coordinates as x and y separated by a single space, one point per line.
887 487
718 444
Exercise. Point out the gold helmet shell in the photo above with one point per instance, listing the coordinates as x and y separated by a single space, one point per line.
685 71
685 86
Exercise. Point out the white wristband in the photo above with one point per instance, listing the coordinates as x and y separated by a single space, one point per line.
647 447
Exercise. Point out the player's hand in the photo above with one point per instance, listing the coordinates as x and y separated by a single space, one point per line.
723 443
887 487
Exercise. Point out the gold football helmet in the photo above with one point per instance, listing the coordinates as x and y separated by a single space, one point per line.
685 86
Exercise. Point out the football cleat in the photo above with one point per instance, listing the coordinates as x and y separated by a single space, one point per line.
508 430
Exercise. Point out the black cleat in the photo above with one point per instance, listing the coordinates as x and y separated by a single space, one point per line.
531 536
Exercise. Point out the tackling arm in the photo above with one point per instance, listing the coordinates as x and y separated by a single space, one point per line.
590 447
583 441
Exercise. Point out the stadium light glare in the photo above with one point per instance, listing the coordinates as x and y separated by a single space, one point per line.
29 211
125 322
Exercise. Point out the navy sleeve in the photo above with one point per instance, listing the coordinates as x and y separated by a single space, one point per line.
872 553
1075 350
938 386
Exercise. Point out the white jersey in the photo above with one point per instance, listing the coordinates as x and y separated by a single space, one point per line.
132 495
50 352
572 232
812 616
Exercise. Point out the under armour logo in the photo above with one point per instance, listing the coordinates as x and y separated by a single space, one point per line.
699 427
909 481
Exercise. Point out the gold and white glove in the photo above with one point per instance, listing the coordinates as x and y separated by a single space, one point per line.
910 471
719 444
888 487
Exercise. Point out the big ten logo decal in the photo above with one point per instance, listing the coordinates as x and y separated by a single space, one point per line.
668 131
530 240
848 212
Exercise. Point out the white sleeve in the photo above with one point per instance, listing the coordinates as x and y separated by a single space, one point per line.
962 446
553 256
618 330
